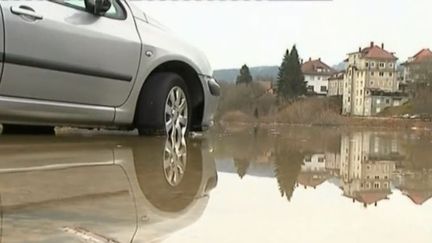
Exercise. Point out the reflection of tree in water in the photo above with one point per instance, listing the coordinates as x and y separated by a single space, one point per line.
242 166
288 163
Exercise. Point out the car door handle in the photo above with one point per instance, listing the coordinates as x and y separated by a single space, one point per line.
26 11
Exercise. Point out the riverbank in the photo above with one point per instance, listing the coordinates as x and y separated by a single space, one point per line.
241 119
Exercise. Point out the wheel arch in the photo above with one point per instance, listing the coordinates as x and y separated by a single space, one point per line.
193 83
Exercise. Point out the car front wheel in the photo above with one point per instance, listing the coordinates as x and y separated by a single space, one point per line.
164 106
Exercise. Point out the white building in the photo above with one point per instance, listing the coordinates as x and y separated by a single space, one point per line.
313 171
316 75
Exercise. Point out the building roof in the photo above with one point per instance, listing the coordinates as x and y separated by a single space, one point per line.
380 92
316 67
337 76
369 197
421 56
376 52
418 197
312 179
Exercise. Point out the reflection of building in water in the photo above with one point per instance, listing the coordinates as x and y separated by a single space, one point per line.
313 171
367 166
332 163
416 185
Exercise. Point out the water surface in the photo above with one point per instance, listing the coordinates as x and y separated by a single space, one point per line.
289 184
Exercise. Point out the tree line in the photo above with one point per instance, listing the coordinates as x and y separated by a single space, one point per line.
290 80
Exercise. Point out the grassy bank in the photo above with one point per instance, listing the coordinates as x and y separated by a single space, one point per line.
252 105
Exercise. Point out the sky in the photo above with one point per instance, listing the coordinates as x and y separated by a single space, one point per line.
233 33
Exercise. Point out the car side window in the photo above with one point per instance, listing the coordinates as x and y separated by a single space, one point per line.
116 11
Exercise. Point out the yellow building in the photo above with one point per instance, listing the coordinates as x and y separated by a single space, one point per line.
370 82
335 84
367 167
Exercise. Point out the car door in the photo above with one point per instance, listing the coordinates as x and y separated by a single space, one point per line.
57 51
1 42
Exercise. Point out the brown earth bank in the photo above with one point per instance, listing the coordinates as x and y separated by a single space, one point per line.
316 112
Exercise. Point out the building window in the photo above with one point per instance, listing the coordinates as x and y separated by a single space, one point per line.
373 64
376 185
382 65
381 74
323 89
367 64
372 73
361 92
387 101
390 74
321 160
391 65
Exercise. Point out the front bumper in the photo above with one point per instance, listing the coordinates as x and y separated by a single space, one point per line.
211 99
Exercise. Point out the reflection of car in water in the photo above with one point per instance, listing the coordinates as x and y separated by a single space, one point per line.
100 190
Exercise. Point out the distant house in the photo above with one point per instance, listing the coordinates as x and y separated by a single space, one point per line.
371 82
316 75
412 62
313 171
267 86
416 185
335 84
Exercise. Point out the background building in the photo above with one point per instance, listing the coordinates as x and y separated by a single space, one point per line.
335 84
419 58
370 79
316 75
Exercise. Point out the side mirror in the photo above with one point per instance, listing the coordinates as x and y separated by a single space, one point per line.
97 7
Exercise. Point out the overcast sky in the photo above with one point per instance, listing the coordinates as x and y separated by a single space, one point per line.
258 33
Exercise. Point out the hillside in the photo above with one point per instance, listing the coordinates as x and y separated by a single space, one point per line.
260 72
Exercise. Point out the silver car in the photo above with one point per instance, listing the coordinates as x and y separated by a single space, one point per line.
99 63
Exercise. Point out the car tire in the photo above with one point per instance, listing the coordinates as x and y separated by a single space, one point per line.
150 173
164 106
13 129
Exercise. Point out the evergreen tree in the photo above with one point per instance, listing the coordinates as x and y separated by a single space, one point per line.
290 78
297 81
244 77
283 87
287 169
242 166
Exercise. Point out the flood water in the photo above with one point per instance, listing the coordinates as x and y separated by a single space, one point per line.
286 184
